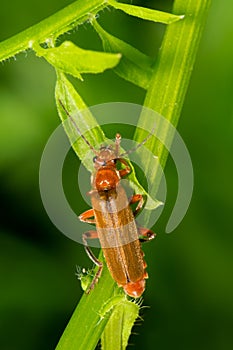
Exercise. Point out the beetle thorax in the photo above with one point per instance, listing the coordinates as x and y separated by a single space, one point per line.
106 179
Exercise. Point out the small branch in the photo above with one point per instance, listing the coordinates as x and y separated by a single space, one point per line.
51 27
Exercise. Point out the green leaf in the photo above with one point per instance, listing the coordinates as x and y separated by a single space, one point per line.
145 13
119 326
80 116
134 66
73 60
151 203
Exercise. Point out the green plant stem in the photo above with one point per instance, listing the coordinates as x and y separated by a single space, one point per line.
172 73
165 95
86 325
51 27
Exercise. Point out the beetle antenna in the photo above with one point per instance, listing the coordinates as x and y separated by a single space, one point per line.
76 127
139 144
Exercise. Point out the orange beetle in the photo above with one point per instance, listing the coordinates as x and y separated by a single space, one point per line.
116 229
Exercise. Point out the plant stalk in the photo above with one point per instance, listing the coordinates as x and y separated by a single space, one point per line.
86 324
171 75
51 27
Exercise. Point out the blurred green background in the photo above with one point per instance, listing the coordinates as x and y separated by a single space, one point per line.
190 290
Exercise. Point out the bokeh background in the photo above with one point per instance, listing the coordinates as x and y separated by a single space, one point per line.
190 290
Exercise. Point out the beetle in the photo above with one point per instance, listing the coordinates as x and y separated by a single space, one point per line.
116 228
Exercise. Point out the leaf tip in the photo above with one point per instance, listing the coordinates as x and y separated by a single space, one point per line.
153 204
175 18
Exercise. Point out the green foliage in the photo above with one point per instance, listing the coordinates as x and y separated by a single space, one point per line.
145 13
165 93
73 60
87 124
172 73
88 321
51 28
119 326
134 65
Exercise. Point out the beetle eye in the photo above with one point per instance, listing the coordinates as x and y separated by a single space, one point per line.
94 159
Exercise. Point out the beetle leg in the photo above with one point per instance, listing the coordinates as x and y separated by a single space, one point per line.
89 193
145 235
134 199
92 235
126 170
85 217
